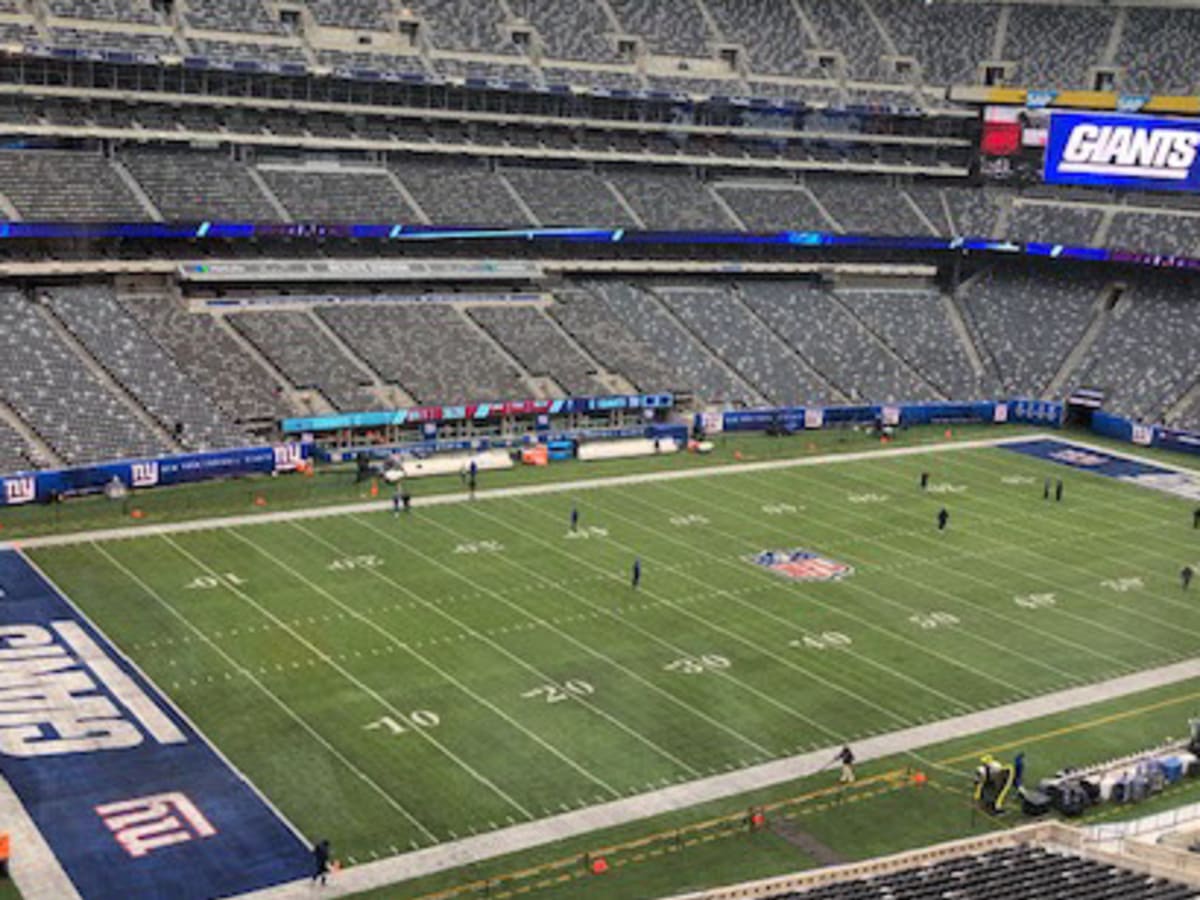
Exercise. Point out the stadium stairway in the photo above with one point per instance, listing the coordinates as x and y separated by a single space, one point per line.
734 374
35 449
107 381
887 349
540 388
821 378
390 395
301 401
1109 296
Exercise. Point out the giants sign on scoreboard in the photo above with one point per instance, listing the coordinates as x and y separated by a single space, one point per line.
1123 151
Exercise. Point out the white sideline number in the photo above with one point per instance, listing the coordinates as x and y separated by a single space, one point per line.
688 520
480 547
422 719
1036 601
208 582
554 693
778 509
349 563
932 620
692 665
826 640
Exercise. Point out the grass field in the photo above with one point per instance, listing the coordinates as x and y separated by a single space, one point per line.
395 683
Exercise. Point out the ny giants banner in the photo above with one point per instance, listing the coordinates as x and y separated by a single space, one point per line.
34 487
1123 151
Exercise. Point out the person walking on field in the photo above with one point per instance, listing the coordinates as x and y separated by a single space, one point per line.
846 758
320 854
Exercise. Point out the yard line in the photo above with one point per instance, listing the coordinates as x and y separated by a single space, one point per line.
933 562
557 487
787 664
684 573
909 742
1083 620
860 588
1128 504
419 657
1127 534
591 651
1008 620
278 701
350 677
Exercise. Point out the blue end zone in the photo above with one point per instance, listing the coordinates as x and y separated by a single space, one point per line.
1111 465
130 797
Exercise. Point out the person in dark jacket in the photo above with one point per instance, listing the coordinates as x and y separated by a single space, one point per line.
320 855
846 758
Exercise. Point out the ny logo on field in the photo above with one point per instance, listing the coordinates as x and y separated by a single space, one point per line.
150 823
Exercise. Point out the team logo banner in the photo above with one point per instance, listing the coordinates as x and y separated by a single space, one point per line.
802 565
1123 151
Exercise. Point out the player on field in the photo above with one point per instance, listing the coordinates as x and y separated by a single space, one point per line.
574 518
1185 576
320 854
1058 491
846 758
637 572
943 519
924 480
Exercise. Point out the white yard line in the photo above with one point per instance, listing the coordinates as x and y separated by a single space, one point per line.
755 609
274 698
620 812
558 487
442 673
583 647
38 873
362 686
932 561
705 622
988 534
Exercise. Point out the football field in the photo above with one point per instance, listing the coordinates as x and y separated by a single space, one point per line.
395 682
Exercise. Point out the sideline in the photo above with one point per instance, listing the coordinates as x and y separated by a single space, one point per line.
528 490
467 851
38 874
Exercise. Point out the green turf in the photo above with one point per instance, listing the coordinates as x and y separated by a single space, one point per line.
335 485
391 683
876 822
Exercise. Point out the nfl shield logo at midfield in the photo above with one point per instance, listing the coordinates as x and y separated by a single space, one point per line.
802 565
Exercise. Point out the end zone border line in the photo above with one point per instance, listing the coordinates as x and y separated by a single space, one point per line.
33 868
527 490
48 878
467 851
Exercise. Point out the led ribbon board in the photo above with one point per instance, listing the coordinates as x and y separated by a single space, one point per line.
1123 151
